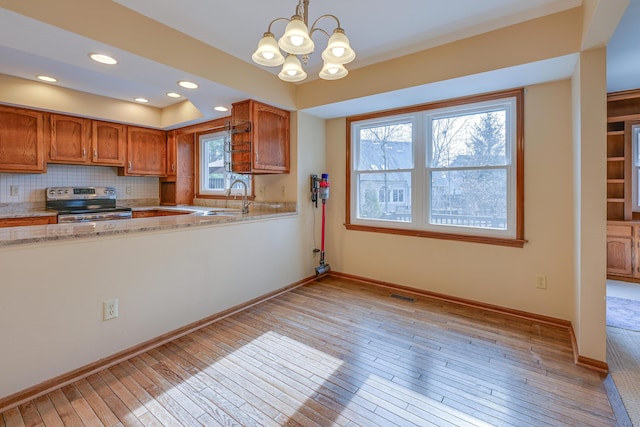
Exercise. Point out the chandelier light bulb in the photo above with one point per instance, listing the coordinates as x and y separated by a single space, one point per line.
333 71
268 52
292 70
338 50
296 38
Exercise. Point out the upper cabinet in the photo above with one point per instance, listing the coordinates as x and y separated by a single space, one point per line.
146 152
22 140
74 140
259 138
108 143
68 139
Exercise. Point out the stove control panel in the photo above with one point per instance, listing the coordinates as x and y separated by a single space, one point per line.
80 193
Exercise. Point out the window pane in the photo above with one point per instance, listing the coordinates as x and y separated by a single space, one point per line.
472 198
384 196
469 140
214 177
213 163
385 147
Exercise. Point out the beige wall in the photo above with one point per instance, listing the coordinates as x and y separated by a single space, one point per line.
491 274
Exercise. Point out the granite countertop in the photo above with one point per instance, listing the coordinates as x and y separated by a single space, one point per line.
198 216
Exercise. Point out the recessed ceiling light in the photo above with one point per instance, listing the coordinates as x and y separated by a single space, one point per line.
142 100
47 79
221 108
187 84
173 95
103 59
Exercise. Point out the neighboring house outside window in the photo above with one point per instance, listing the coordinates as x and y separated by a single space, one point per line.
446 170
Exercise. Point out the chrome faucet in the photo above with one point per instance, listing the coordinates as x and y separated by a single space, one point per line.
245 203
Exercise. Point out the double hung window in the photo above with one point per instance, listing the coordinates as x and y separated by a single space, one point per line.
215 179
445 170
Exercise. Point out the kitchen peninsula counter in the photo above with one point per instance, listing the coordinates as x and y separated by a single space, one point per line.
197 218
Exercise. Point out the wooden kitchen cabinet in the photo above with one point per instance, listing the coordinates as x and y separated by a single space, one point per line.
22 140
177 188
74 140
108 143
151 213
622 249
146 152
68 139
262 147
31 220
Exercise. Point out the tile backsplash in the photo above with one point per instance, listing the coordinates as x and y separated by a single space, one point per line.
31 187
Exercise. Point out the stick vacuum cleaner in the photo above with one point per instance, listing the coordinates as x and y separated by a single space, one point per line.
321 188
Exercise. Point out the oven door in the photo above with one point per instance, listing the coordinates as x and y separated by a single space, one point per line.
93 216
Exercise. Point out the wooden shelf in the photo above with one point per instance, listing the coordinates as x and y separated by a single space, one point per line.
615 159
615 132
615 200
615 181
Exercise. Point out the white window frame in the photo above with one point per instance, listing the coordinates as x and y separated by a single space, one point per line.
422 170
229 177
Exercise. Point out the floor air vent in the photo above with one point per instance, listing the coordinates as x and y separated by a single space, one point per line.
403 298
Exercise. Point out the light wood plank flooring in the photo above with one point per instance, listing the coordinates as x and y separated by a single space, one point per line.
337 352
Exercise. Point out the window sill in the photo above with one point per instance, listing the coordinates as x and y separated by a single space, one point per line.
514 243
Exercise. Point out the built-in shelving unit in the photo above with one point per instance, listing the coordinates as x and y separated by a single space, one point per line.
623 109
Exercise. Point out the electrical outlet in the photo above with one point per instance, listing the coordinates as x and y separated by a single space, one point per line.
541 281
261 191
110 309
283 191
14 190
127 190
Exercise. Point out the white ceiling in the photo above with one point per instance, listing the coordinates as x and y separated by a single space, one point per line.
29 47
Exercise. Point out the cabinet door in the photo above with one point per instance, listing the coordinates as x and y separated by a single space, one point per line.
185 160
619 256
27 221
146 152
177 188
172 157
22 141
265 148
270 139
108 144
68 139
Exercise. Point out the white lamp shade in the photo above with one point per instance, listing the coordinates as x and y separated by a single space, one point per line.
333 71
292 70
268 53
295 39
338 50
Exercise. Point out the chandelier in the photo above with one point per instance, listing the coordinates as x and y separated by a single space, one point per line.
296 40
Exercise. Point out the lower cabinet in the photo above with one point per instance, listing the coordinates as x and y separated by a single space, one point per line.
31 220
622 251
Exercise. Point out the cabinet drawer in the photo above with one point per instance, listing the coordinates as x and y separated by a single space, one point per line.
620 230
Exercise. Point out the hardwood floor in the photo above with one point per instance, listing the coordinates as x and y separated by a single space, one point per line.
336 352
